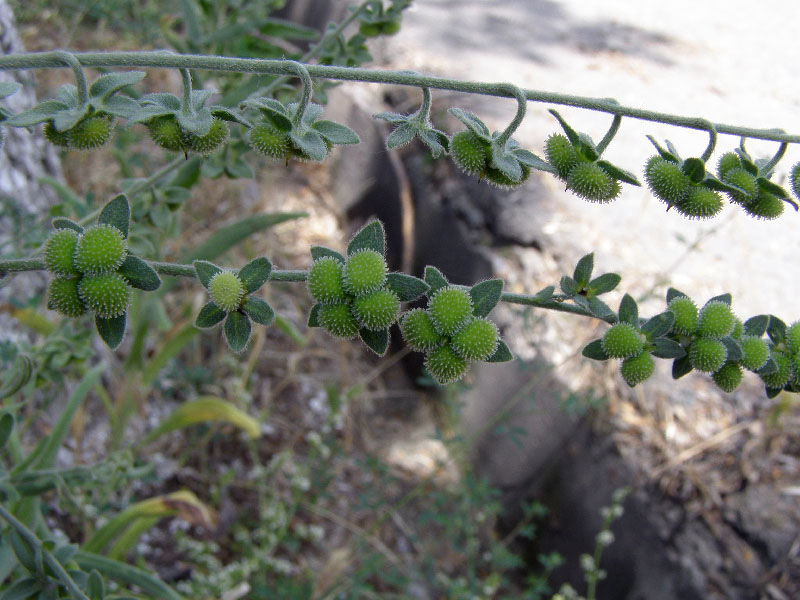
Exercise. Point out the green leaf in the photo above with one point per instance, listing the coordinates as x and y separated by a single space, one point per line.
239 169
667 348
44 111
237 330
529 159
117 212
658 325
407 287
313 316
255 274
67 119
9 87
275 112
311 144
401 136
672 293
573 136
665 154
506 163
148 112
604 283
6 427
391 117
772 392
111 330
586 148
568 285
735 351
768 368
22 589
583 271
435 279
773 188
120 106
757 325
501 354
139 274
629 311
436 141
287 30
336 133
594 350
209 315
127 574
726 298
29 558
109 83
544 294
198 123
64 223
321 251
205 271
377 341
203 410
618 172
163 100
776 330
258 310
94 586
681 366
694 169
599 308
472 122
371 236
485 296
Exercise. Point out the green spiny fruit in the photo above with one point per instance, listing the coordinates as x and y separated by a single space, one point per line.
728 377
499 179
59 251
783 375
226 290
715 320
445 365
450 308
793 337
418 330
269 141
728 162
623 340
767 206
338 321
794 179
377 310
55 137
469 153
590 182
369 29
364 272
700 202
636 369
666 180
206 144
91 132
167 133
325 281
62 297
108 294
756 352
738 329
100 248
391 27
561 154
477 340
744 181
707 354
685 313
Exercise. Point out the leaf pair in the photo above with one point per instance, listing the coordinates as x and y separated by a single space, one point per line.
196 118
417 124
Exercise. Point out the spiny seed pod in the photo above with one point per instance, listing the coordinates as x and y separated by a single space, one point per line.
55 137
783 375
561 154
499 179
167 133
685 313
793 337
445 365
325 281
767 206
756 352
269 141
666 180
59 251
794 179
469 153
738 329
338 321
364 272
62 297
108 295
728 377
391 27
700 202
91 132
744 181
450 308
622 340
637 369
707 355
715 320
369 29
100 248
418 331
378 310
226 290
590 182
206 144
477 340
728 162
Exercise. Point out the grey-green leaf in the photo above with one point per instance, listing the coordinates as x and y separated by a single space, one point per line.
436 141
22 589
313 316
117 212
583 271
629 311
501 354
9 87
681 366
544 294
667 348
407 287
109 83
658 325
757 325
568 285
64 223
198 123
209 315
336 133
311 144
435 279
258 310
6 427
111 330
735 351
205 271
321 251
401 136
371 236
594 350
473 123
391 117
506 163
44 111
618 172
237 330
139 274
255 274
377 341
604 283
485 296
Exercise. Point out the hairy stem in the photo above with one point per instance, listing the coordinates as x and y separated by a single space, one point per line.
186 102
522 106
72 62
612 131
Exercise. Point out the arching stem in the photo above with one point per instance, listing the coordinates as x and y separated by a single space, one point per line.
305 97
424 112
522 105
774 160
80 77
612 131
712 142
186 102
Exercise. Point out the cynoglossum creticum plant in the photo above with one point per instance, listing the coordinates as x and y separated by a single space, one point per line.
454 331
356 295
93 270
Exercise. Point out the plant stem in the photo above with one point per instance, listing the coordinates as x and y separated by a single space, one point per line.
522 106
51 60
186 102
612 131
72 62
305 98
